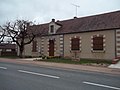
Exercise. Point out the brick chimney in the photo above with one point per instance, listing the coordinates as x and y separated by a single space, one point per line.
75 17
53 20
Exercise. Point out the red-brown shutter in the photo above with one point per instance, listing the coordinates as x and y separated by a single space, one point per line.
34 46
98 43
75 44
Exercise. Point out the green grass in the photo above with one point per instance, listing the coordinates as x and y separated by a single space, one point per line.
11 57
82 61
67 61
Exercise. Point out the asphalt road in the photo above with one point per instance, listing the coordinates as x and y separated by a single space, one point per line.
29 77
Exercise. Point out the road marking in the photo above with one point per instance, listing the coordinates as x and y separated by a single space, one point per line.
101 85
3 68
45 75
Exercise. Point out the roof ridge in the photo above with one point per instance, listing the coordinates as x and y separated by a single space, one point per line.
106 13
102 21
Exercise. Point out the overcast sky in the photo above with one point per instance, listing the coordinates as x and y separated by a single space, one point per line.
42 11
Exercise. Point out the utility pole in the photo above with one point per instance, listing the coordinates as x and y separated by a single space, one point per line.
76 6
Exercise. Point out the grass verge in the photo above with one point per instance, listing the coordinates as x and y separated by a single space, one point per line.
11 57
81 61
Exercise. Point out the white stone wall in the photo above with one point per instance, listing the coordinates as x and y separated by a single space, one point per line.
118 43
86 45
62 45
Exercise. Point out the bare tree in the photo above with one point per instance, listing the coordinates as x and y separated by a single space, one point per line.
19 32
2 35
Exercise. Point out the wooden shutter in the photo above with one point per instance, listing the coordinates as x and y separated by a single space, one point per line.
34 46
98 43
75 44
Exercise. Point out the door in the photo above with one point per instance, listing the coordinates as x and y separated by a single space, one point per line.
51 47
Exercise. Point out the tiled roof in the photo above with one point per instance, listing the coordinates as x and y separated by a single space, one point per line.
39 29
7 46
91 23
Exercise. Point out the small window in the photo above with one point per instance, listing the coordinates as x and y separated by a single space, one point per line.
75 44
98 43
52 29
34 46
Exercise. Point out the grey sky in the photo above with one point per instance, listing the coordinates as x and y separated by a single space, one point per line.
43 11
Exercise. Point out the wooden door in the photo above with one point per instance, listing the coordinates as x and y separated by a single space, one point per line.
51 47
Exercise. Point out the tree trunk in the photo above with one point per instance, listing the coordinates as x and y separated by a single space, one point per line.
21 49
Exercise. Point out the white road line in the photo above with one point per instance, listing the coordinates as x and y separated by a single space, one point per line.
101 85
3 68
45 75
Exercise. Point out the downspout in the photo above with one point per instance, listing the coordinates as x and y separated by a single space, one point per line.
63 45
115 43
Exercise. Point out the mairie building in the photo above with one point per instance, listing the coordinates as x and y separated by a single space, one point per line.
93 37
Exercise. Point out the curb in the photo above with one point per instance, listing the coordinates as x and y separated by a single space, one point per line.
65 66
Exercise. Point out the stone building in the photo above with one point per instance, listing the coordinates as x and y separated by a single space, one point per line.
93 37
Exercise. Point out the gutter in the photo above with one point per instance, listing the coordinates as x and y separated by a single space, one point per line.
115 44
63 45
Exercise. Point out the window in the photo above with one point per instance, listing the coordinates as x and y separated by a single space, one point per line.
34 46
98 43
75 44
52 29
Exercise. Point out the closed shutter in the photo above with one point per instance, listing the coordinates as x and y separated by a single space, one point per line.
75 44
98 43
34 46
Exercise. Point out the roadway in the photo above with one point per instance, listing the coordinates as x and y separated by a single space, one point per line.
15 76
